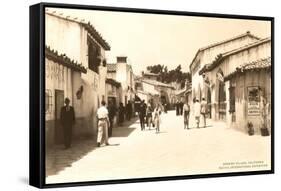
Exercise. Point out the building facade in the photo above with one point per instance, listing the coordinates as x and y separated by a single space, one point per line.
206 55
237 80
78 42
122 72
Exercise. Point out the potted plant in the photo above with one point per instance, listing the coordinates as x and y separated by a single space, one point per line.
264 130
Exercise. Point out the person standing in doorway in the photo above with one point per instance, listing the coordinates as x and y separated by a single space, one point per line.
204 111
103 122
67 116
157 114
197 112
186 110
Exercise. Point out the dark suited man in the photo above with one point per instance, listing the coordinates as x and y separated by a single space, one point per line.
142 114
67 116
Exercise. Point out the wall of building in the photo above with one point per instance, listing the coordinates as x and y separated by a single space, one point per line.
71 38
124 75
209 55
58 77
260 78
240 83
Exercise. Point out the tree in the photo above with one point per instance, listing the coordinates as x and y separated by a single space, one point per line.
166 76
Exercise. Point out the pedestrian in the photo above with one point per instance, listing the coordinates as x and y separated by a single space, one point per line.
103 122
186 110
157 115
165 107
197 112
129 110
177 107
111 114
142 110
149 111
121 111
180 107
67 116
204 111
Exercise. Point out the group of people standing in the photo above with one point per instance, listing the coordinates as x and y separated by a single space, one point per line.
199 110
105 116
149 116
124 112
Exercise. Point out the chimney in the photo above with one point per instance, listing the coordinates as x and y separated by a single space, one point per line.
121 59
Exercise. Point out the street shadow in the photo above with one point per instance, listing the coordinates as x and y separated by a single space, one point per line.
125 130
122 132
58 158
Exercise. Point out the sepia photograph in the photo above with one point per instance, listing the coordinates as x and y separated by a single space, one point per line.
132 95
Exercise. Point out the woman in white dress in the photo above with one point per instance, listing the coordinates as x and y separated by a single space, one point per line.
156 117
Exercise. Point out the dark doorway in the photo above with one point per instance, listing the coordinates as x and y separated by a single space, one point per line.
59 103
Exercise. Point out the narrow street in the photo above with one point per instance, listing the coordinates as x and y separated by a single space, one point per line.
174 151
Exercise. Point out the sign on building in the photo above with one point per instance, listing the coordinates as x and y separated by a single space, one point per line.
253 101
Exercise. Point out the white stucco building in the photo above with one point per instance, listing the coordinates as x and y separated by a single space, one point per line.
122 72
79 43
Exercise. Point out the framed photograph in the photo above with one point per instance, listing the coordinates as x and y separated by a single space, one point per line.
122 95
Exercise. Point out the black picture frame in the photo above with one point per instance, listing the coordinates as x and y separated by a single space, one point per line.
37 94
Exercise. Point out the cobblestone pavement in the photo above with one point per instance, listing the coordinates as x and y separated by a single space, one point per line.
174 151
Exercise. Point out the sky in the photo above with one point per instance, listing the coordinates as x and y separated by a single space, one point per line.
170 40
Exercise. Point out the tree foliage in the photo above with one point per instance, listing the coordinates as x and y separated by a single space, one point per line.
166 76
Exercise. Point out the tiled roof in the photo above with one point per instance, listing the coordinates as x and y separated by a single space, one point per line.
151 92
222 42
63 60
264 63
87 25
220 57
111 67
229 40
156 83
113 82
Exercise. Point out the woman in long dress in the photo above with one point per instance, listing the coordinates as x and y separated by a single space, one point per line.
157 115
186 110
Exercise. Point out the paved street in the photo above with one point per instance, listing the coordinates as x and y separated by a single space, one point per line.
174 151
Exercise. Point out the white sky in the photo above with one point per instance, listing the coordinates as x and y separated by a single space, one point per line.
149 39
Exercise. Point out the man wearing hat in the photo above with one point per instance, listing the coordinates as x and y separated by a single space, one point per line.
67 116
